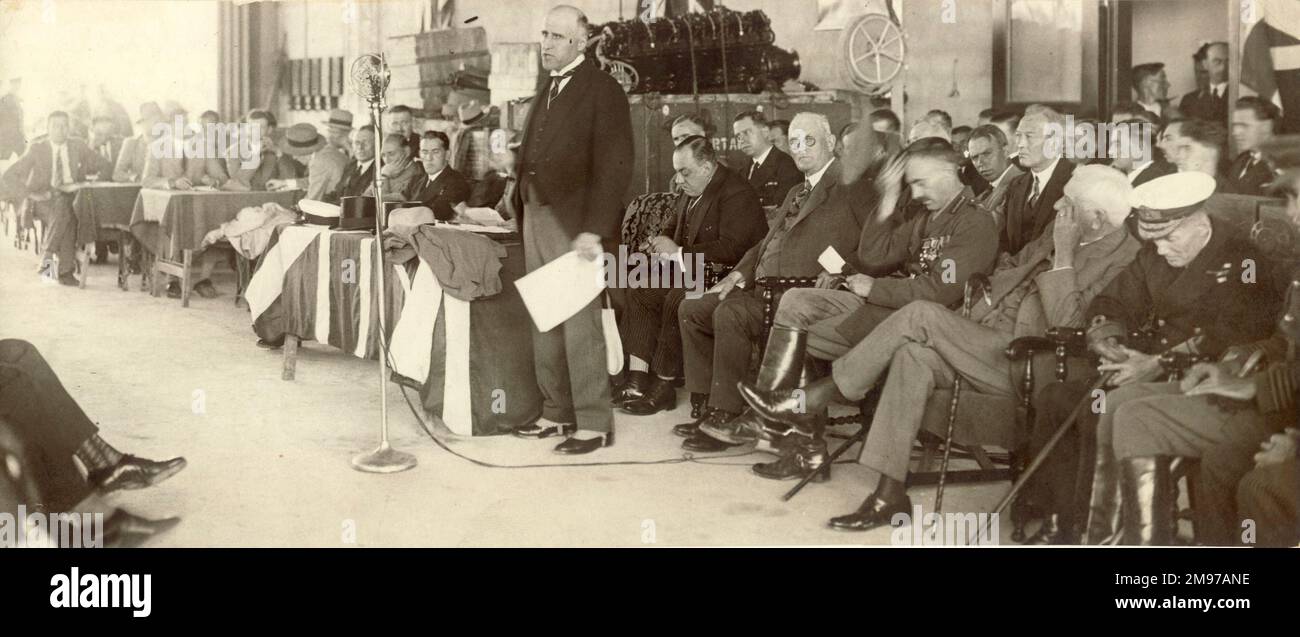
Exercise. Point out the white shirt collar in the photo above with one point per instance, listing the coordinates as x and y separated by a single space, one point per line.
1046 174
762 158
434 176
1156 107
817 176
1221 88
570 66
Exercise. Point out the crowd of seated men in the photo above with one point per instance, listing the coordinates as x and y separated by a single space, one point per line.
1112 246
326 164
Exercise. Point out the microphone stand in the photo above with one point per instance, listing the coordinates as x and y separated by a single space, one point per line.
384 458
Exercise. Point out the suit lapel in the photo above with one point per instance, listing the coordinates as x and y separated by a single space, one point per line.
707 198
1191 283
820 192
561 110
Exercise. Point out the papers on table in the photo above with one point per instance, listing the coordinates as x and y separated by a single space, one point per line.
557 290
205 189
484 216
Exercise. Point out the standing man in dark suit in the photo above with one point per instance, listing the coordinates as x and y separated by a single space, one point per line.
1254 121
47 175
441 188
575 163
771 174
1031 198
1211 102
717 221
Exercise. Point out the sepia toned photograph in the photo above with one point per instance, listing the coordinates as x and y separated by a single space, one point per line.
897 274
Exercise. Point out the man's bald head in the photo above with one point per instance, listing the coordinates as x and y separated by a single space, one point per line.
564 36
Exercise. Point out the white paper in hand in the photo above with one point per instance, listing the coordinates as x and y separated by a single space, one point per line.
831 261
557 290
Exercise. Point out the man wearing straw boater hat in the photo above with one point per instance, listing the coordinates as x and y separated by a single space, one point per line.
325 163
1198 286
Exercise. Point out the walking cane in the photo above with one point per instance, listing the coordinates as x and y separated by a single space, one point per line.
980 282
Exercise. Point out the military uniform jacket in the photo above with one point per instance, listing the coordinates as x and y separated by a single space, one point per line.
774 177
1206 298
1276 385
928 257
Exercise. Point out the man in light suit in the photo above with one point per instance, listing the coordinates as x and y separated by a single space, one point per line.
575 163
129 166
1031 197
47 175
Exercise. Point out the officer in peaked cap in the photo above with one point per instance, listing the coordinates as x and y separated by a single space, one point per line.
1196 286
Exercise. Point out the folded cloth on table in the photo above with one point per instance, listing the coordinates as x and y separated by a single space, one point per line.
250 231
466 265
416 216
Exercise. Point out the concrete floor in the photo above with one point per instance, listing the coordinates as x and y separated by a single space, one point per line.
269 460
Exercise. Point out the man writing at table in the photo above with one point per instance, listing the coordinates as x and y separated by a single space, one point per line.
47 176
326 165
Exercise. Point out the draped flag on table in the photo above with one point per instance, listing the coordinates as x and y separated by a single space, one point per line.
1270 55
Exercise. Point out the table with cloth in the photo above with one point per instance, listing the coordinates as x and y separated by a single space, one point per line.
471 359
171 224
104 205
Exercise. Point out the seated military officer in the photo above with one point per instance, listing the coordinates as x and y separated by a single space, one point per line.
926 346
1224 414
925 257
1197 288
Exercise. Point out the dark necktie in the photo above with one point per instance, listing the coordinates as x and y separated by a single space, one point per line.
800 198
753 167
1250 161
1033 196
57 179
555 86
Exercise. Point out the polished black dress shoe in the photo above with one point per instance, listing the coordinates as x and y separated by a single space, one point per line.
699 405
692 428
785 406
704 444
635 387
741 430
575 446
661 396
538 429
134 473
790 466
873 513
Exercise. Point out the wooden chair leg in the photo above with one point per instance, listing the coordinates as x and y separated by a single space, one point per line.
83 264
290 357
186 274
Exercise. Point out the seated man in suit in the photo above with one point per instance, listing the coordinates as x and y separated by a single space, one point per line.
361 170
58 434
1254 122
1199 147
401 121
440 188
778 132
926 256
400 174
1151 88
326 164
47 176
718 220
719 329
129 166
925 346
1131 155
1031 198
771 174
1210 102
246 174
987 149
